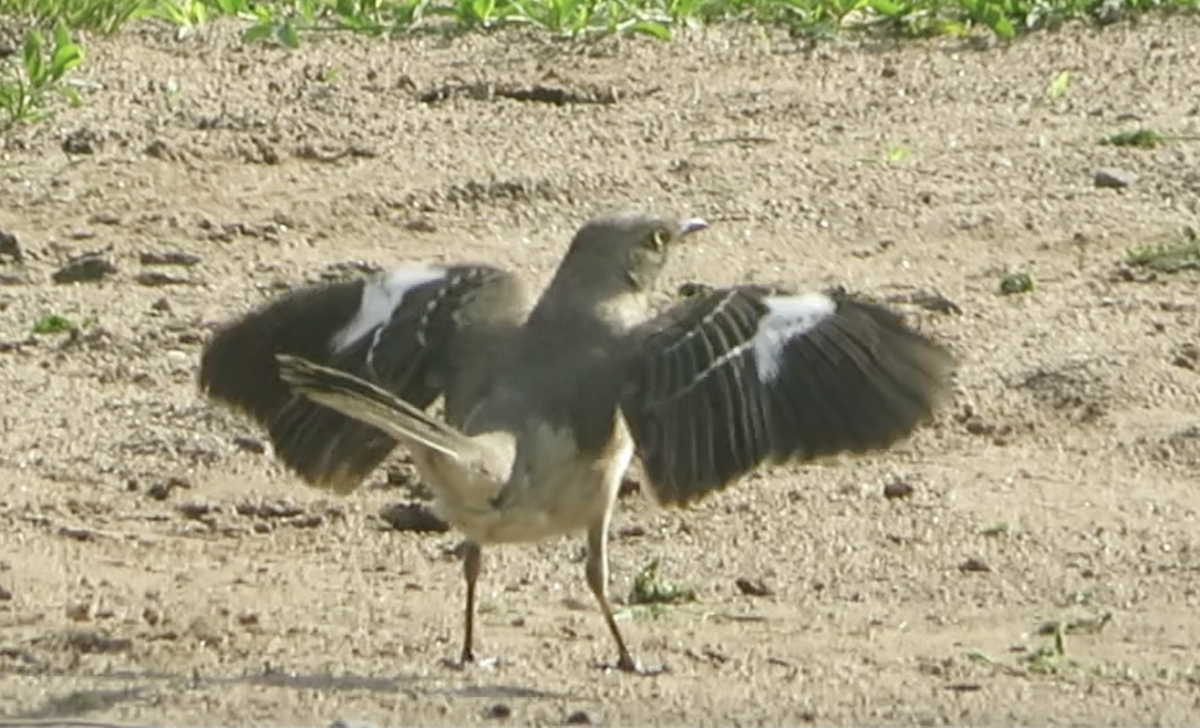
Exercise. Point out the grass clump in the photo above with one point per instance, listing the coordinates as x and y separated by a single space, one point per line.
52 323
1017 282
649 588
29 80
1142 137
285 22
1169 257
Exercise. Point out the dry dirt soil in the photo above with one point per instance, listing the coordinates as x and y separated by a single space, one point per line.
157 566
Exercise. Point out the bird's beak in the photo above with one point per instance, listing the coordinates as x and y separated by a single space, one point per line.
689 226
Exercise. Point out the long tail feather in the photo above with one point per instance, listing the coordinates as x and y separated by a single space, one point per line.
368 403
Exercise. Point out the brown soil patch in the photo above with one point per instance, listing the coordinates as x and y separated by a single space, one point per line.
156 565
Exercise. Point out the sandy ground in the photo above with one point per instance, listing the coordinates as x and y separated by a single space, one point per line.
157 566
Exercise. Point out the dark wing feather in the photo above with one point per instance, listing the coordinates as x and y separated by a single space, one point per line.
725 381
404 350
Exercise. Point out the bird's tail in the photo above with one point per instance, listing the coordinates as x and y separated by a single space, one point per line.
465 473
372 405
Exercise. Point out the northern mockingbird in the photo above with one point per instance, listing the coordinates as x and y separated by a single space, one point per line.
547 400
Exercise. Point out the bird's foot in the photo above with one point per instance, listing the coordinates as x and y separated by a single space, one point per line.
627 664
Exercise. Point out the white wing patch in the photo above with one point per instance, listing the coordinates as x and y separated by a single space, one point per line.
787 318
382 293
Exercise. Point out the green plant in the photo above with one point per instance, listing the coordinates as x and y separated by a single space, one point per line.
994 530
1169 257
1136 138
1017 282
52 323
649 588
26 83
1059 85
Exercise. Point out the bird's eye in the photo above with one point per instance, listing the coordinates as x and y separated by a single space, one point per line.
658 239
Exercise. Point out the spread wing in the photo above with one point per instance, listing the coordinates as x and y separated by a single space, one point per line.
730 378
399 330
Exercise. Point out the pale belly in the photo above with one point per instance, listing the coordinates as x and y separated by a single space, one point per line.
561 494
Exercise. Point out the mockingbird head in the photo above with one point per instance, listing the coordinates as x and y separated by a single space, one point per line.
626 250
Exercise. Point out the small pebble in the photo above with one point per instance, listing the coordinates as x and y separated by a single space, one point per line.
898 489
974 565
1113 178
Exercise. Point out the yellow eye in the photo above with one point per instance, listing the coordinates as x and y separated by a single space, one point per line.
658 239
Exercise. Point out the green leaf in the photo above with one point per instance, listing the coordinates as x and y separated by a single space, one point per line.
257 32
71 95
287 35
67 55
1059 85
32 58
886 8
651 28
1003 27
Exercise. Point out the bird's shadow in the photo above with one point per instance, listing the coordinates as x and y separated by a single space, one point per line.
137 686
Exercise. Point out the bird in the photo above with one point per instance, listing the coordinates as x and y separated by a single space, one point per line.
546 398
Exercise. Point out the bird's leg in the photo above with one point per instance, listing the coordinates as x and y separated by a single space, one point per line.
597 579
472 564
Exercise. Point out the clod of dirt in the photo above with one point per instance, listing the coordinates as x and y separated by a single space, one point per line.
928 300
85 268
348 269
171 257
753 587
317 154
578 718
10 248
249 444
484 91
974 565
260 151
499 711
78 533
1187 356
413 517
420 225
16 344
279 508
631 532
898 489
93 642
81 141
83 610
161 490
1113 178
153 616
158 149
197 510
105 218
157 279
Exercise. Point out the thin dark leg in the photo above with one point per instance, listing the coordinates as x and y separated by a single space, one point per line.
597 579
472 564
